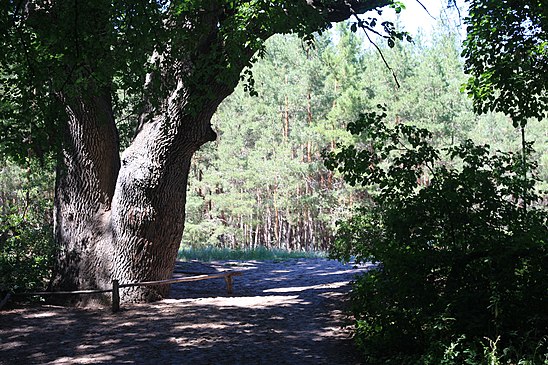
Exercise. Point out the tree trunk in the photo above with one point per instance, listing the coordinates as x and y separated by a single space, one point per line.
148 210
85 184
122 217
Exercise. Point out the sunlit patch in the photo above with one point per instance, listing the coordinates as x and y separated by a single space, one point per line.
340 272
12 345
303 288
185 342
125 324
86 347
242 302
110 341
40 315
277 278
21 331
95 359
215 326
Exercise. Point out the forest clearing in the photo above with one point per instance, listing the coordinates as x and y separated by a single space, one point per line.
136 134
284 312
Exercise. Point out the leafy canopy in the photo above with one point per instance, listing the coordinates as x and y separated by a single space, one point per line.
506 53
138 52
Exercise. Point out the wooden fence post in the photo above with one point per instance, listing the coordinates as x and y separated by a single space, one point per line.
228 280
5 300
115 296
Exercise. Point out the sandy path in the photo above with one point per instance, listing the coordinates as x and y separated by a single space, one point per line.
280 313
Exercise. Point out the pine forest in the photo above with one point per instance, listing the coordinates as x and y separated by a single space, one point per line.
263 181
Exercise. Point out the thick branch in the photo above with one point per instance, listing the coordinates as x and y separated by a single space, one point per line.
337 11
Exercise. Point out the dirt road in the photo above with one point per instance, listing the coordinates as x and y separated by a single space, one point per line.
286 312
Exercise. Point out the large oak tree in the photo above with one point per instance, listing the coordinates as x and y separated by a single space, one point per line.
68 68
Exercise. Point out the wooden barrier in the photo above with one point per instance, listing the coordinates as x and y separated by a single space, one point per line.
5 300
115 296
116 286
226 275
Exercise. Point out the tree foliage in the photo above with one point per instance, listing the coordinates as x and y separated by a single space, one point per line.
457 257
263 182
307 95
114 45
26 242
506 53
458 233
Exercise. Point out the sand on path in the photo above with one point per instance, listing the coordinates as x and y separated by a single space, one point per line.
287 312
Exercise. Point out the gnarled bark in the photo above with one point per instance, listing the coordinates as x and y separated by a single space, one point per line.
149 204
85 185
123 217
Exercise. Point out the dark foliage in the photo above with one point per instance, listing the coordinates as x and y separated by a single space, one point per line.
26 255
461 248
505 51
26 242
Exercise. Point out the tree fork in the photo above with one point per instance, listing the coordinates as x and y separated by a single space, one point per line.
122 217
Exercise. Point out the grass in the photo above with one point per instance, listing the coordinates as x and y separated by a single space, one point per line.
210 253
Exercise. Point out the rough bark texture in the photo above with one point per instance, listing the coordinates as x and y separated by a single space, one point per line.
149 204
85 184
123 217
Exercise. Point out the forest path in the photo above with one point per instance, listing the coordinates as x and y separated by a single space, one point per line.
287 312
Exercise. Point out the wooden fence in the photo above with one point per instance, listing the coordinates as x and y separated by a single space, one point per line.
116 286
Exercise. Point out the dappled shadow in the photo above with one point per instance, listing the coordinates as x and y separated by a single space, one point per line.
283 313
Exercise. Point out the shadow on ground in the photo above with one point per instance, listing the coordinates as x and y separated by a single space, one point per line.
288 312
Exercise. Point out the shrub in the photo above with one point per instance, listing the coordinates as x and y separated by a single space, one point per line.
26 242
25 256
461 247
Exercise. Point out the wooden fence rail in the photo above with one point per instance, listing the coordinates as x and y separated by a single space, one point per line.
116 286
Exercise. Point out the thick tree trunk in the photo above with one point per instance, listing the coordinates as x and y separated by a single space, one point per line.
86 177
123 217
148 210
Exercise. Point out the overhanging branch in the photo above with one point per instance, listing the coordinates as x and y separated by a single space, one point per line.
339 10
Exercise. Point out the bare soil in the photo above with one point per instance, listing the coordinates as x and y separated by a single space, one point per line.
288 312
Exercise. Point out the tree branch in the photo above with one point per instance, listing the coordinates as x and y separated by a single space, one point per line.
337 11
425 9
378 50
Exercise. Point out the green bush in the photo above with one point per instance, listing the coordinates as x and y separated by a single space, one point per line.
461 247
26 255
26 242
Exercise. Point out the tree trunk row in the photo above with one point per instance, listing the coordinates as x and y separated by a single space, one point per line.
305 234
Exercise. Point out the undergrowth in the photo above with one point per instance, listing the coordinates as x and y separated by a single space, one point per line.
26 241
461 238
261 253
